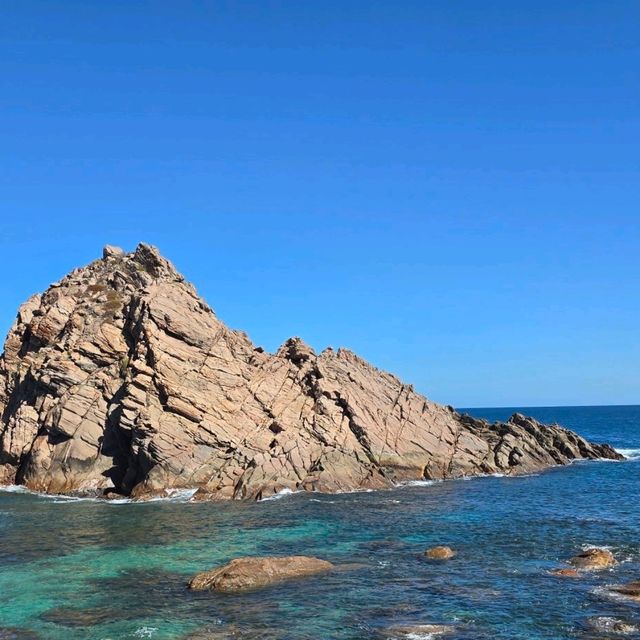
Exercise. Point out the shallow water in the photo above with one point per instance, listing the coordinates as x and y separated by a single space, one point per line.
83 569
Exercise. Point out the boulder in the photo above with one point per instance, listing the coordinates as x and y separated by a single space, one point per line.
243 574
593 560
614 626
109 251
440 553
629 590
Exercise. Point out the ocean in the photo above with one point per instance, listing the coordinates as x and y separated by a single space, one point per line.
83 569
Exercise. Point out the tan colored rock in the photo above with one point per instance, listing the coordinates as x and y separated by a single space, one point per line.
440 553
253 573
565 573
630 590
120 379
593 560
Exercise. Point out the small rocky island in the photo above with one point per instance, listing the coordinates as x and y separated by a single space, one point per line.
120 380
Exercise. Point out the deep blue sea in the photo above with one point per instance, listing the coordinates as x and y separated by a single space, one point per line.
81 569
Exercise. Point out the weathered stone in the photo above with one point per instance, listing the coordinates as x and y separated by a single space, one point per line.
120 379
565 573
252 573
609 625
109 251
593 559
440 553
630 590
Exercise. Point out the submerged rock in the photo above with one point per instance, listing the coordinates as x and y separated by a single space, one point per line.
440 553
593 560
609 625
252 573
120 379
565 573
12 633
629 590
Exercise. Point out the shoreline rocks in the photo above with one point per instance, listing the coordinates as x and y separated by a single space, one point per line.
119 379
244 574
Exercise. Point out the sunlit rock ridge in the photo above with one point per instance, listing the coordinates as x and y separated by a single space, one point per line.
120 380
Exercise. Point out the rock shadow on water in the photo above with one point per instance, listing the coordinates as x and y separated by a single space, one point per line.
73 617
10 633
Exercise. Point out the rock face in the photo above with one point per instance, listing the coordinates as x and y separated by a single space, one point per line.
119 378
252 573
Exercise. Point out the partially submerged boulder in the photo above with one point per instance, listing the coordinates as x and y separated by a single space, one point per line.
629 590
565 572
440 553
243 574
605 624
593 559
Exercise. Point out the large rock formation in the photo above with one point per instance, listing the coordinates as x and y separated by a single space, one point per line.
120 379
242 574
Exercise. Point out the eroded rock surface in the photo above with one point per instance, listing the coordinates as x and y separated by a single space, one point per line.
242 574
120 378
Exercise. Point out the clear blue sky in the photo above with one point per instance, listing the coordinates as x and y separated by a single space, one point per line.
451 189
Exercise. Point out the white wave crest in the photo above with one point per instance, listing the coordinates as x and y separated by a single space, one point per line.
418 483
631 454
283 493
172 495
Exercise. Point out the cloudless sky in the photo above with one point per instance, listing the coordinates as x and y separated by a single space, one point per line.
451 189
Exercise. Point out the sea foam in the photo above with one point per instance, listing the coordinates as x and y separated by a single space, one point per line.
631 454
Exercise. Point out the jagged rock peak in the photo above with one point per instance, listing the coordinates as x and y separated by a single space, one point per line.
119 379
297 351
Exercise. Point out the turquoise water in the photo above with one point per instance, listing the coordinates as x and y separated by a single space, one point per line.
82 570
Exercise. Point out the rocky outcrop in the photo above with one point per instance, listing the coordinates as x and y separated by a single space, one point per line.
613 626
243 574
593 560
629 590
120 379
440 553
